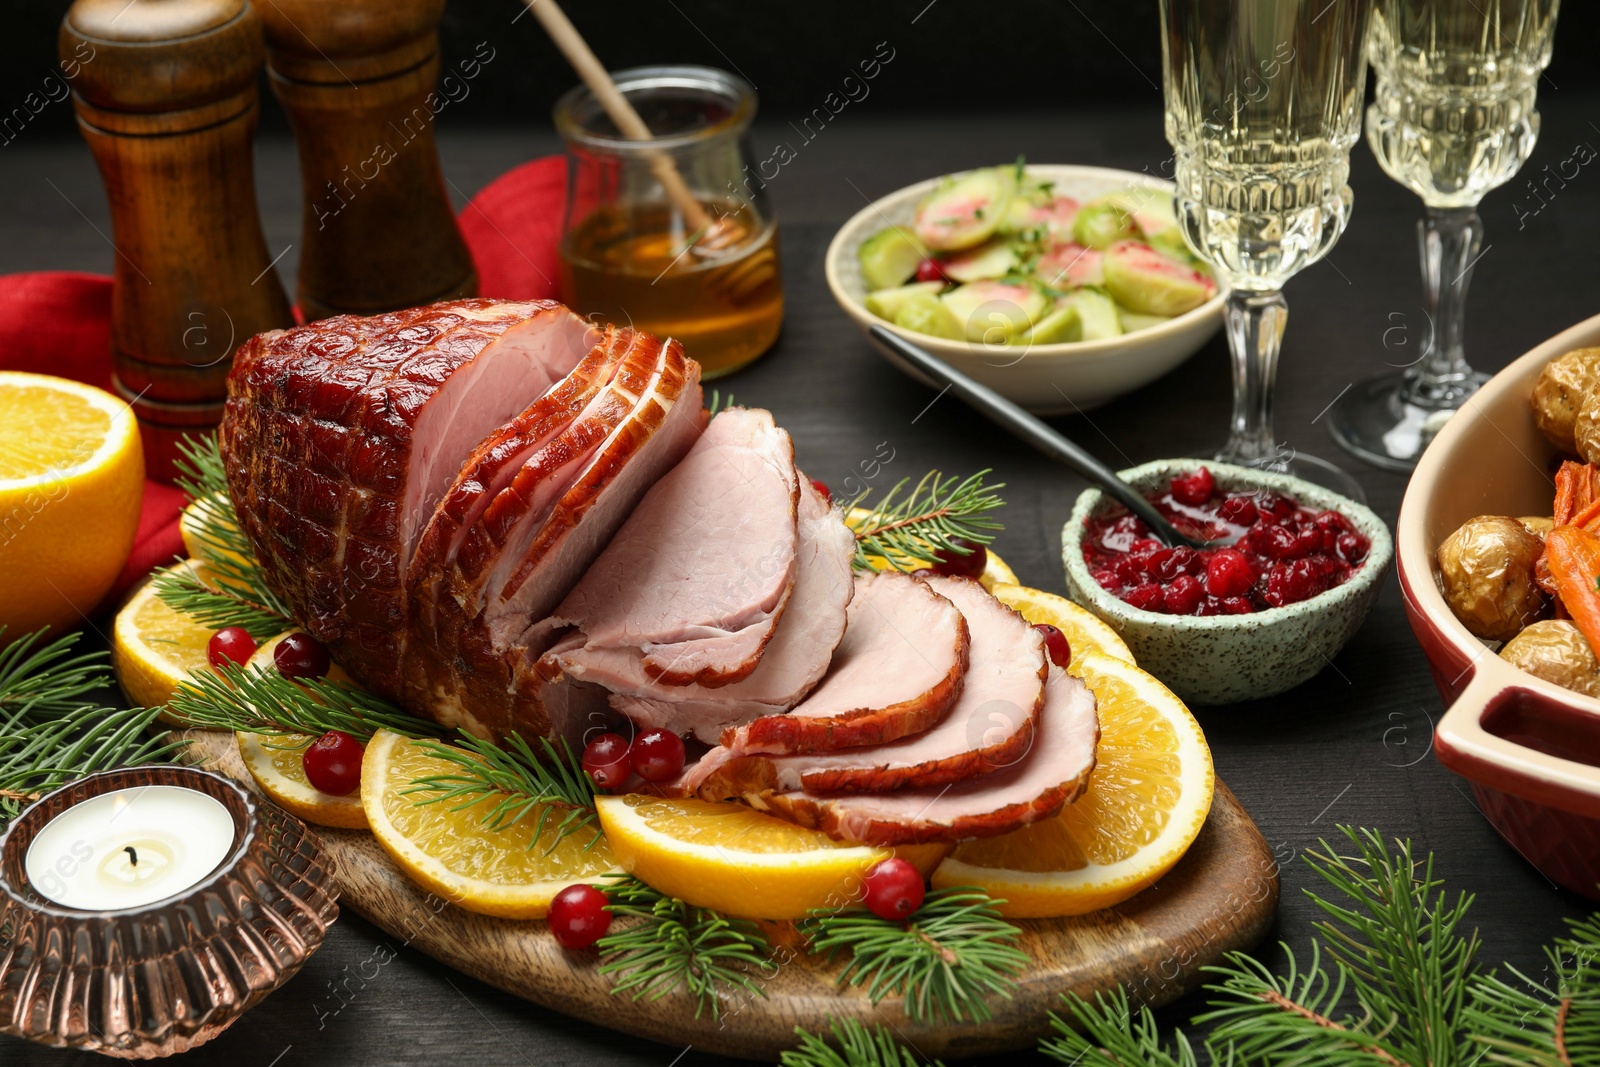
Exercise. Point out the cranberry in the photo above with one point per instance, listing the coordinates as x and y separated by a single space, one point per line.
606 760
1131 569
1145 545
231 644
1296 580
1331 522
333 763
1055 643
1353 548
1146 597
1307 542
1106 579
579 916
822 487
931 270
1229 574
300 656
968 562
1182 595
1236 605
894 889
1239 510
1268 539
1274 505
1194 488
657 755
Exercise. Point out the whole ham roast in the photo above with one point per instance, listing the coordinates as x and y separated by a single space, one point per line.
509 520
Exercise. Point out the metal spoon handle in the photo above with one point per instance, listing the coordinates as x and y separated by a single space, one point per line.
1011 417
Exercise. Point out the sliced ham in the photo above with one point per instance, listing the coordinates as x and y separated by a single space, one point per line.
1050 775
988 728
792 664
340 438
697 579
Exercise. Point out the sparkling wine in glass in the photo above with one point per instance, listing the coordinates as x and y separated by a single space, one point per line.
1453 118
1263 105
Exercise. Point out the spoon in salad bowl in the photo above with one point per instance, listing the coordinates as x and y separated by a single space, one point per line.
1029 428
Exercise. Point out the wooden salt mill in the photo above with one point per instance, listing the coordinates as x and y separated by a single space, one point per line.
165 92
355 77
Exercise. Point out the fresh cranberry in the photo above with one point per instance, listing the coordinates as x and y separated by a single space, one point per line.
333 763
894 889
606 760
822 487
931 270
1229 574
1194 488
657 755
1353 548
1182 595
300 655
579 916
1146 597
1239 510
968 562
231 644
1055 643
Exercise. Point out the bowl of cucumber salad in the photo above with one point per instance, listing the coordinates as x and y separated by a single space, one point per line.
1061 287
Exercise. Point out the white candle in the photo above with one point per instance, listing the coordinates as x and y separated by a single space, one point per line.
130 847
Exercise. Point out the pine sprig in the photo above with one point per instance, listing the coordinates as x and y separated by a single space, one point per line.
931 518
521 783
1531 1024
956 952
1107 1034
854 1044
41 678
674 945
263 702
214 606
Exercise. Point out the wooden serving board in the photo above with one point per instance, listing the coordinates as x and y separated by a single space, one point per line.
1221 897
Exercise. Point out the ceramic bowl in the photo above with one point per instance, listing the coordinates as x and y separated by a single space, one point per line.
1053 379
1222 659
1530 748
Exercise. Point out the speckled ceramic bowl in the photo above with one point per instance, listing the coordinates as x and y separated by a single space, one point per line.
1221 659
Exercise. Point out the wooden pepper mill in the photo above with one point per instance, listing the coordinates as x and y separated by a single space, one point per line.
165 92
358 80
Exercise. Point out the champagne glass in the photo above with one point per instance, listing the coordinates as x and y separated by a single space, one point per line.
1263 105
1453 118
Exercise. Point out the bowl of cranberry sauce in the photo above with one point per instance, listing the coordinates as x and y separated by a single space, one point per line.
1299 569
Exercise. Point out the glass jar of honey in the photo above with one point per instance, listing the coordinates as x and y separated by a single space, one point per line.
672 235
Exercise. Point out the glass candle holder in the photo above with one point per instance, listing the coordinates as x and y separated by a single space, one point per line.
672 235
161 975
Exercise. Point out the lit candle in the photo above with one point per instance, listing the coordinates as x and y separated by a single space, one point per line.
129 847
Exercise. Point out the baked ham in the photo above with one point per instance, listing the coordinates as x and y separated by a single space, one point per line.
989 727
1051 775
341 437
791 665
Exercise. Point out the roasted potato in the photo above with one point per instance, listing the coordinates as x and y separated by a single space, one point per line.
1538 525
1486 569
1556 651
1586 427
1559 393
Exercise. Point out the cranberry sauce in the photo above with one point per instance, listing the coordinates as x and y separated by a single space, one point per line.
1281 553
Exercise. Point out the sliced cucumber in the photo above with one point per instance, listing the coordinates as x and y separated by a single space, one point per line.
993 259
965 211
890 257
995 312
926 313
886 303
1061 325
1148 283
1097 312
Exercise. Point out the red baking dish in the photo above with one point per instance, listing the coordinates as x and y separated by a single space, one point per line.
1530 748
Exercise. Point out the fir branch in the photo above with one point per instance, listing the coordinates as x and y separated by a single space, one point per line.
1108 1035
521 783
718 403
675 945
40 678
933 517
264 702
38 756
1530 1024
216 606
955 951
854 1045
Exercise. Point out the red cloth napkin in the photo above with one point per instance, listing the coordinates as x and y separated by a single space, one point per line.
59 322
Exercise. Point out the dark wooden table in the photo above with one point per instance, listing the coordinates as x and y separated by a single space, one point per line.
1351 746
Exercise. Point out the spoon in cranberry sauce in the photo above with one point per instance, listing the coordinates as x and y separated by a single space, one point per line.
1009 416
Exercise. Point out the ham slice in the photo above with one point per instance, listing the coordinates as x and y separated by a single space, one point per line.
341 437
793 662
1053 773
989 727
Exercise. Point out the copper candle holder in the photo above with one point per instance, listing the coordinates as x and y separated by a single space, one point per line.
165 976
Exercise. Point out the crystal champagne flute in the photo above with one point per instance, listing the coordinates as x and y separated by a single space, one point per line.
1453 118
1263 105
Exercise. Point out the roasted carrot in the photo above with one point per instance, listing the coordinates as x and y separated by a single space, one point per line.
1574 556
